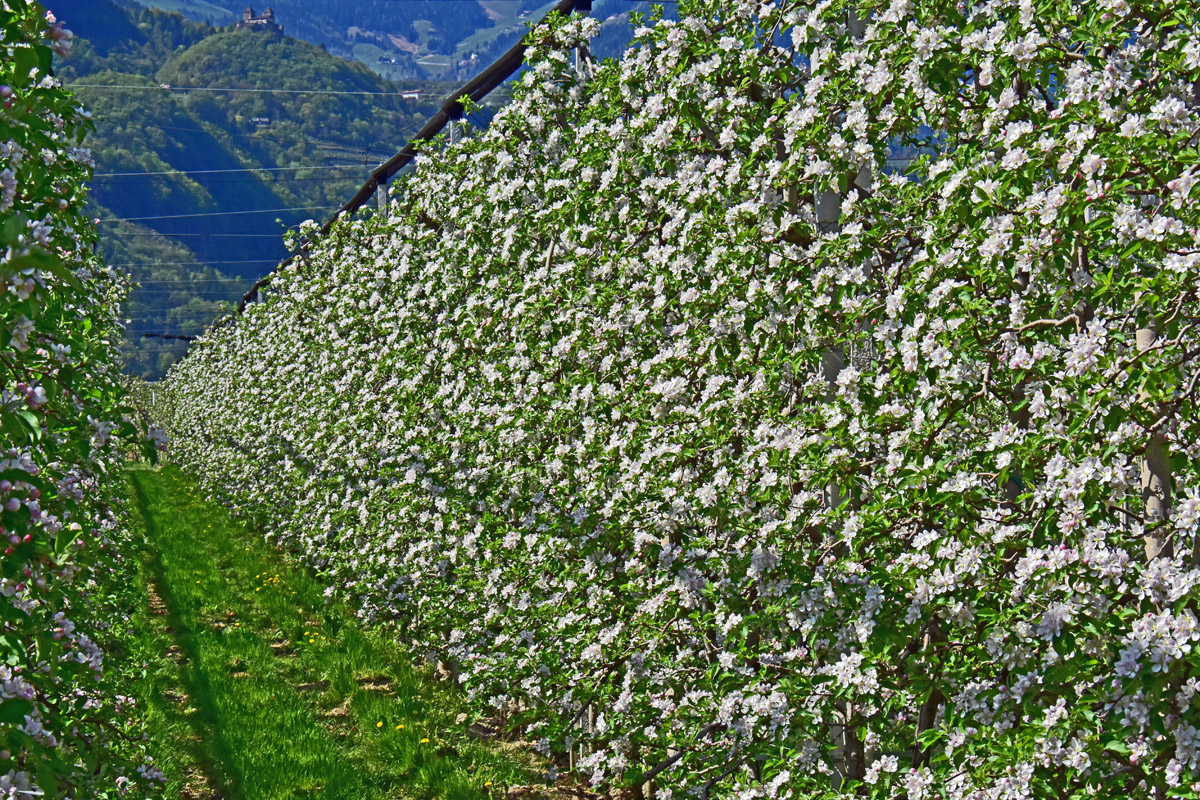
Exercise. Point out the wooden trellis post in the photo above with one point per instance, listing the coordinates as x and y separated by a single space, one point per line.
1156 470
381 197
582 57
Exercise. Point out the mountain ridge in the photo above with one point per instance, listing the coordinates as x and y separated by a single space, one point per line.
416 39
197 162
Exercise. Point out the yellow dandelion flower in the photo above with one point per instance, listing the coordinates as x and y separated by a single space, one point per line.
379 724
424 741
399 727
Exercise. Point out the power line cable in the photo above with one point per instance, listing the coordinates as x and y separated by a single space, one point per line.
208 296
169 88
215 291
477 88
137 304
176 235
193 263
174 172
263 180
173 315
184 310
218 214
314 142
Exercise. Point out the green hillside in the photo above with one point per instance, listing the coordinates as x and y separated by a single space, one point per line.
137 40
413 39
335 24
266 60
310 151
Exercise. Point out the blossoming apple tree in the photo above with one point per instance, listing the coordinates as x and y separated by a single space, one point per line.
66 729
739 458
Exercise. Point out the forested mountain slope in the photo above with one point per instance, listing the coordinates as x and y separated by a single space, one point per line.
128 40
266 60
314 150
414 39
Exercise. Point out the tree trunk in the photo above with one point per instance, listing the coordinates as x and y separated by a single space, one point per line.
1156 474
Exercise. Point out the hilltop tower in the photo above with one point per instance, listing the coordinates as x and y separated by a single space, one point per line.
263 21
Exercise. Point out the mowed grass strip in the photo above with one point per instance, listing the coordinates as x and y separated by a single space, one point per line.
259 688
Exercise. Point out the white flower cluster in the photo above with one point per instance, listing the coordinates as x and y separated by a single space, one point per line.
687 420
60 733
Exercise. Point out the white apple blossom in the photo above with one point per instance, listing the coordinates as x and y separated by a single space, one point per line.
676 397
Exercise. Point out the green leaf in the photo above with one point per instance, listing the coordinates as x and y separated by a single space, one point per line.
12 652
32 422
13 711
63 540
48 775
25 60
929 737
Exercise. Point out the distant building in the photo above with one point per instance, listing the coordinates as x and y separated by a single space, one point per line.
261 122
263 21
411 94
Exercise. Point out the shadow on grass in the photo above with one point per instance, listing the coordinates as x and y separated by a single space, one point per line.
352 720
211 752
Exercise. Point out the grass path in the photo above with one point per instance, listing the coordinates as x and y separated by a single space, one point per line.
256 687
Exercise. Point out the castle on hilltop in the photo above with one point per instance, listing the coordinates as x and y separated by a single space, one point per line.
264 21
